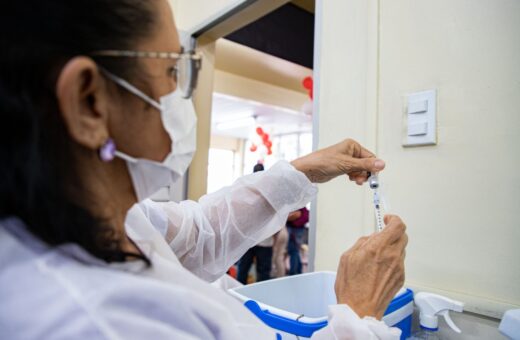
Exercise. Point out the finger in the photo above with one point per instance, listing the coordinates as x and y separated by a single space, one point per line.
401 243
404 241
362 177
359 177
394 230
355 174
364 153
360 151
353 179
364 164
393 220
358 180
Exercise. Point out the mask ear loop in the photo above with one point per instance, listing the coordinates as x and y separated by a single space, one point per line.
107 151
132 89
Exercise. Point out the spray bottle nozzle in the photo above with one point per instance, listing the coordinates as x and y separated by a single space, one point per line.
433 305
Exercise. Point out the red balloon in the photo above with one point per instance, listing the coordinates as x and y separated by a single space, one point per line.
259 131
253 148
265 137
269 152
307 83
268 144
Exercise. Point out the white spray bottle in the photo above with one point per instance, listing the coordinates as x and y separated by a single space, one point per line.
430 307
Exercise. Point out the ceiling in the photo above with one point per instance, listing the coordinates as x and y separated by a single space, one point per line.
249 63
287 32
269 66
308 5
274 120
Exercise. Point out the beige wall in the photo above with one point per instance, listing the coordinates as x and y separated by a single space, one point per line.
346 108
247 88
234 144
198 174
460 197
247 62
190 13
225 143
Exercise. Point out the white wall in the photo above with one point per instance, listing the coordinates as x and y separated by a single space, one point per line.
459 198
345 105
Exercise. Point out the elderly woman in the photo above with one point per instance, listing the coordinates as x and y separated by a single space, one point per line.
95 118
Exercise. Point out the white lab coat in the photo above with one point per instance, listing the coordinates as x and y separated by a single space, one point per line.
64 293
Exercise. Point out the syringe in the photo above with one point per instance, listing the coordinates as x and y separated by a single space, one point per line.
373 182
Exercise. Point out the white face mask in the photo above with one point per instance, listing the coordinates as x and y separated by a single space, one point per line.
180 122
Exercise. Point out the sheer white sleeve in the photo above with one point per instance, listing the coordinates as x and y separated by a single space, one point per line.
210 235
345 324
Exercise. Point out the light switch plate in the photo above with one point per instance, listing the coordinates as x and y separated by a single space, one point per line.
420 126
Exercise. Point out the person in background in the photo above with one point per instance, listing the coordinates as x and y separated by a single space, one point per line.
280 248
262 254
296 228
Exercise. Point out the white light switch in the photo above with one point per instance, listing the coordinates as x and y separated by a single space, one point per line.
420 119
419 106
419 129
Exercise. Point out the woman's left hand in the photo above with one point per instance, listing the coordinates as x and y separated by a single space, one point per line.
345 158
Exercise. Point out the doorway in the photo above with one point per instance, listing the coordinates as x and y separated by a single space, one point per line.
258 108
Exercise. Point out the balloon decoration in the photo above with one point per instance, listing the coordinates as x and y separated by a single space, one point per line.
308 85
264 140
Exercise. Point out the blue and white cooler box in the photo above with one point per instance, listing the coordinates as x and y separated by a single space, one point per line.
298 305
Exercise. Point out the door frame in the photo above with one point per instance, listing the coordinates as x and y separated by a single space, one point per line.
203 37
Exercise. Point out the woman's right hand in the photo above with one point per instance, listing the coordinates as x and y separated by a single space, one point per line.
372 271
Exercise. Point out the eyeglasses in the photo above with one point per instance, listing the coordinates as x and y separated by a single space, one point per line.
185 72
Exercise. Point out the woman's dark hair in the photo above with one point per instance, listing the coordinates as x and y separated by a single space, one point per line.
39 181
258 167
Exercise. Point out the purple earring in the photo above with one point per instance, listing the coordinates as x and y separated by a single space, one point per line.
107 151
